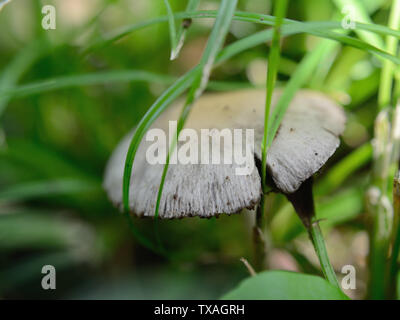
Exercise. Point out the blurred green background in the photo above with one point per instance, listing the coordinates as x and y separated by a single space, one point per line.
54 144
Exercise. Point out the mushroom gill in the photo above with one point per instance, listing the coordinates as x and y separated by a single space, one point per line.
306 139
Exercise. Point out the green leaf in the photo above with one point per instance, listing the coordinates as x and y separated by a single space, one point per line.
285 285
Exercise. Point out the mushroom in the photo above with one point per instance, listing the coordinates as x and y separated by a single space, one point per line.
307 137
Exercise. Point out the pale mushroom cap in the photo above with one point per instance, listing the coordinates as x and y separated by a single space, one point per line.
306 139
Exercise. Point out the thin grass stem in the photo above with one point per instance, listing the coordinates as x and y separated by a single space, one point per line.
273 62
320 248
387 73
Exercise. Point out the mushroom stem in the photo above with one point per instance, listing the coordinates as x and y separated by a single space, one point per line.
258 237
303 202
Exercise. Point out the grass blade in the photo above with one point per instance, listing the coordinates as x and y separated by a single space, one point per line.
273 61
160 105
192 6
317 28
302 73
320 249
155 110
214 44
30 190
172 29
387 73
360 14
344 168
17 67
104 77
88 79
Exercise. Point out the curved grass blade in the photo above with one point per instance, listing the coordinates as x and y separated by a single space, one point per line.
155 110
273 62
104 77
17 67
344 168
299 77
309 27
185 24
85 80
29 55
357 10
36 189
320 249
172 29
214 44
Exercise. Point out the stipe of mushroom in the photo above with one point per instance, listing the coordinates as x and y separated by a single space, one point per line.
306 139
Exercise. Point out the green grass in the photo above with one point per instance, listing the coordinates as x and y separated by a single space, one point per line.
172 30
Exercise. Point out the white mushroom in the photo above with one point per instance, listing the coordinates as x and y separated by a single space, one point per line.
306 139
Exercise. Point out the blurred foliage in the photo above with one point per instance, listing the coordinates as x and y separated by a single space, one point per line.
54 144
